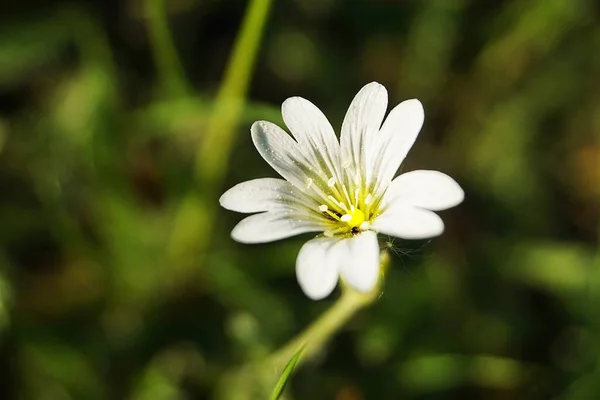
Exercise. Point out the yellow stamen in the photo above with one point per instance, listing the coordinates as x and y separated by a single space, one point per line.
334 216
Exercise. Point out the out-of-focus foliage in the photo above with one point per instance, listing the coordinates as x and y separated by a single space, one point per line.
103 294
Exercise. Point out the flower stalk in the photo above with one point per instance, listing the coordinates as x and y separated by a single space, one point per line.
256 380
322 330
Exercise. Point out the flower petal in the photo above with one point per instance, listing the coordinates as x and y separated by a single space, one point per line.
257 195
280 151
396 137
361 123
317 271
407 222
359 258
314 133
431 190
273 225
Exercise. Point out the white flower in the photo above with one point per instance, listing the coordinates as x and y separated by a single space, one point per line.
344 189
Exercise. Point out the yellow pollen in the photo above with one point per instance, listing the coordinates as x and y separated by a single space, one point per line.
355 219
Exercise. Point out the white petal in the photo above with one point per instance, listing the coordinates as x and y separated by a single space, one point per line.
403 221
359 257
273 225
396 137
317 271
280 151
362 121
313 132
431 190
257 195
307 123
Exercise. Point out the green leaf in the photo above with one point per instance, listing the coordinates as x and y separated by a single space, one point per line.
286 374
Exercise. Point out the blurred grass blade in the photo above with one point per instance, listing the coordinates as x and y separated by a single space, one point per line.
213 154
173 79
286 374
195 215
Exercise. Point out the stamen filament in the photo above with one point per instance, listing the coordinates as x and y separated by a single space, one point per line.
341 207
334 216
346 194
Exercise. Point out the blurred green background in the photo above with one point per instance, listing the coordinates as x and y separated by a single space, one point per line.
121 123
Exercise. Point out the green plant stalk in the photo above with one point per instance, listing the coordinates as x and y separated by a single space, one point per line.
195 216
318 333
213 154
172 76
258 379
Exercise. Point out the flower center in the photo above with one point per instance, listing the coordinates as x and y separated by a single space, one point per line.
354 218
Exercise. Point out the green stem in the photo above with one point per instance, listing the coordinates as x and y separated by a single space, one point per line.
172 76
257 380
319 332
